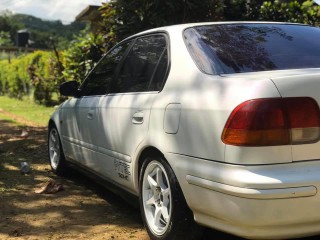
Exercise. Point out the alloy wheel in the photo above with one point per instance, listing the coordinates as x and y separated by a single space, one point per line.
54 148
156 196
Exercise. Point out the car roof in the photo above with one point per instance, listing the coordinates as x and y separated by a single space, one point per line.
188 25
181 27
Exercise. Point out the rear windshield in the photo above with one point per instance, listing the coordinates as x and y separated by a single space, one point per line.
239 48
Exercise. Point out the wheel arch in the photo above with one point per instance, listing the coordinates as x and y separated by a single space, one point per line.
55 120
151 151
51 123
148 151
141 155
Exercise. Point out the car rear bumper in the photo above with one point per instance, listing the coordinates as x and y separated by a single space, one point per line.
270 201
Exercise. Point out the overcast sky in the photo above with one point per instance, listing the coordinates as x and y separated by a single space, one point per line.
64 10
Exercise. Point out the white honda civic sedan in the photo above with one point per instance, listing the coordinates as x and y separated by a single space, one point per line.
212 124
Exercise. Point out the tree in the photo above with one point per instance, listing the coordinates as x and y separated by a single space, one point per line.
307 12
10 25
84 52
40 30
5 39
122 18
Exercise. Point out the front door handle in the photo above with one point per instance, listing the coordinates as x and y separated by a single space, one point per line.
137 117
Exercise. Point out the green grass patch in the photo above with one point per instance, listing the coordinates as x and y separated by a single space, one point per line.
26 109
7 118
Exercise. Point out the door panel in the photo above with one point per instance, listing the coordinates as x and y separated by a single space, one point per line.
125 112
81 118
124 121
109 128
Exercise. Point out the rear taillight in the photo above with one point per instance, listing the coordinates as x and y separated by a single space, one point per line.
273 121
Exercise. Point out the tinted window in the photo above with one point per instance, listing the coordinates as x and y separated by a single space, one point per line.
160 74
235 48
139 66
99 80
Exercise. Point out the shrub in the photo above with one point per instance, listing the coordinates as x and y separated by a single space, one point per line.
32 71
307 12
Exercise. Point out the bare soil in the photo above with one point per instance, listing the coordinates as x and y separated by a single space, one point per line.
83 210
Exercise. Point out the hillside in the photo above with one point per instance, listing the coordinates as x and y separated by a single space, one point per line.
41 30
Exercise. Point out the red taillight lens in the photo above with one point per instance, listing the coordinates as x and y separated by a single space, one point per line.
274 121
303 112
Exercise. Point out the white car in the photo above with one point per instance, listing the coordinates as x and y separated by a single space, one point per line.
210 123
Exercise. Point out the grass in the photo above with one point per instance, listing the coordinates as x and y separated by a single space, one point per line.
26 109
7 118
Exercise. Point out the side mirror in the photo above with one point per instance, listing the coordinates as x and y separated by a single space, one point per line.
69 88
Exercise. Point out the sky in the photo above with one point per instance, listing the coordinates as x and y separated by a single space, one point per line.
64 10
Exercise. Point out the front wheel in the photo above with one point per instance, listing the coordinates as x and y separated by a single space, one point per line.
55 152
163 207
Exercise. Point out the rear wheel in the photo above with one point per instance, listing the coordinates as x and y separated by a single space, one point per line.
163 207
56 157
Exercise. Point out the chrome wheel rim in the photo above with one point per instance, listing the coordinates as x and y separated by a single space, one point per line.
54 148
156 197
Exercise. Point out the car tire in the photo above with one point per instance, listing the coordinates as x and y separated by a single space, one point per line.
56 156
163 208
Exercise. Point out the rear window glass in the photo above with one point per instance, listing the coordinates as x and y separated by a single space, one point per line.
238 48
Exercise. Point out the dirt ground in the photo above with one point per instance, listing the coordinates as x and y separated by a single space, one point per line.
83 210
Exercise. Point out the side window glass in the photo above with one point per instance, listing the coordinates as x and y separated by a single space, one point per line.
139 66
99 80
161 72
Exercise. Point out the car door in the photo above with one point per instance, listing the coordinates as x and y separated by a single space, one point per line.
81 119
125 111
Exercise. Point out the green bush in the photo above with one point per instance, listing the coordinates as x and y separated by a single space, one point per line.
27 74
39 73
307 12
84 52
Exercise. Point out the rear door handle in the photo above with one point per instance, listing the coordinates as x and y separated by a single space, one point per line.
137 117
90 114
